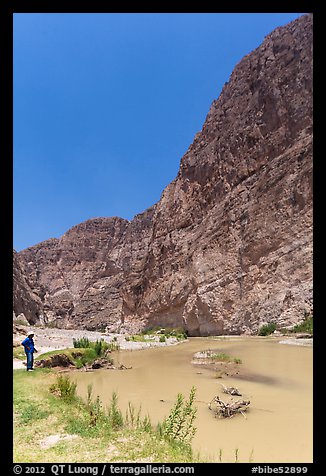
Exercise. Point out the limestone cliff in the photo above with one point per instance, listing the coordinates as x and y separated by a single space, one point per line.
25 300
229 245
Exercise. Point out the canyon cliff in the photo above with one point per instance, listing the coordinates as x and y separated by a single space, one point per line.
228 247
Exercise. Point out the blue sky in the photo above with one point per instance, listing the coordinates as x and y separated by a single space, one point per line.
105 106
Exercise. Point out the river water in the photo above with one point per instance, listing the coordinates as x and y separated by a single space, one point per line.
276 378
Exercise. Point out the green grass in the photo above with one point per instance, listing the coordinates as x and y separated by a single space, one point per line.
79 356
19 353
222 357
100 434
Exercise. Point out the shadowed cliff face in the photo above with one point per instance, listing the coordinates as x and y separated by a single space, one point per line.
229 245
25 300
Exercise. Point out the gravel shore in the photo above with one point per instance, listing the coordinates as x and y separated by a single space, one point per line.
294 341
47 339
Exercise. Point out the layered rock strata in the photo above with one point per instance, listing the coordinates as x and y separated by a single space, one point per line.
229 245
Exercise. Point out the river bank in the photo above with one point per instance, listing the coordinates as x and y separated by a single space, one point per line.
48 339
277 379
52 428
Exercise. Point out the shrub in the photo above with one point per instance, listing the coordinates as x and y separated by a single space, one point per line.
162 338
305 326
134 420
100 347
267 329
177 332
94 408
64 388
114 413
178 426
83 342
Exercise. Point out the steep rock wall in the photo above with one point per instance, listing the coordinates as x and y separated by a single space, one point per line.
229 245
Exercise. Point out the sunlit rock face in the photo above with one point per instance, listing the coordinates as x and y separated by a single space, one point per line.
229 245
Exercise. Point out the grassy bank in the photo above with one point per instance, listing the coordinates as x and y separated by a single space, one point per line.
52 424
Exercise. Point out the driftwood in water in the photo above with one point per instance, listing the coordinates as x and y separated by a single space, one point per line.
228 410
231 391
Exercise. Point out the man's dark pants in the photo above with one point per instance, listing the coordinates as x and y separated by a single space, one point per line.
30 360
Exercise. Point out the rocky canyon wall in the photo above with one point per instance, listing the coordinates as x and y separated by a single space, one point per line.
229 245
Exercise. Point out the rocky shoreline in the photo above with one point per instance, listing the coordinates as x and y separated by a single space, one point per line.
48 339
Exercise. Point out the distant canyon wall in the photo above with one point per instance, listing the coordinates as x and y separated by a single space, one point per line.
229 245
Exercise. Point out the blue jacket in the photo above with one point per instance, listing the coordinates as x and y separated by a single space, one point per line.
28 343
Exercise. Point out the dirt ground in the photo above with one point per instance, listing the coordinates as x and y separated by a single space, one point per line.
47 339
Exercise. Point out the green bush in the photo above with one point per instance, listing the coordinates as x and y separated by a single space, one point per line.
267 329
178 426
305 326
83 343
114 413
177 332
100 346
94 408
64 388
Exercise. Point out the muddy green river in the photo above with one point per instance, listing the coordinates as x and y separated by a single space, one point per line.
276 378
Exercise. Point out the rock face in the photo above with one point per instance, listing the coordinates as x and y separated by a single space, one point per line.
229 245
28 306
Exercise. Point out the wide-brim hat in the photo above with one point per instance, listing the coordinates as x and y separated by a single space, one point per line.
30 333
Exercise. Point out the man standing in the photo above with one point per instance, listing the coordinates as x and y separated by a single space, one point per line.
28 344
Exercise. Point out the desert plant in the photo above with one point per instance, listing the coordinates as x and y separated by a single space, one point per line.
267 329
133 419
305 326
178 426
64 388
83 342
94 408
114 413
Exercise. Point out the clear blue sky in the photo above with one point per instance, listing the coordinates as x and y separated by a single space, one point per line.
105 106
